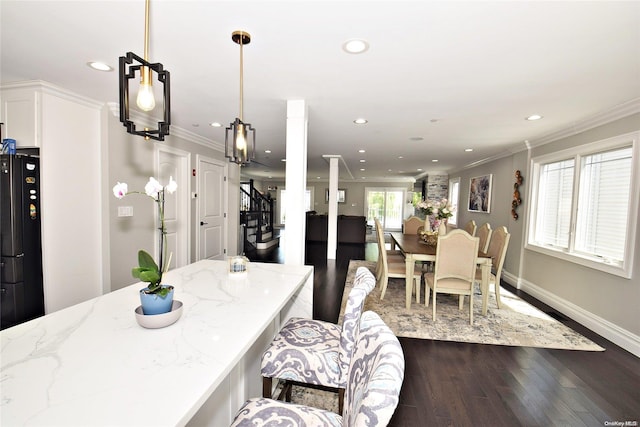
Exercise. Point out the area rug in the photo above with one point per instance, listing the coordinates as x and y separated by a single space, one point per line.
517 323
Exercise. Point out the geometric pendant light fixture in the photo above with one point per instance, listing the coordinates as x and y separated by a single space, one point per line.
240 137
133 67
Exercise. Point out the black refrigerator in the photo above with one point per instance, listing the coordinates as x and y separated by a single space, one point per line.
22 295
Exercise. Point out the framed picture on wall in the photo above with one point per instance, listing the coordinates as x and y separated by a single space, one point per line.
480 194
342 195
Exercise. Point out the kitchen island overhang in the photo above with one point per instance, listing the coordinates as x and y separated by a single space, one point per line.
92 364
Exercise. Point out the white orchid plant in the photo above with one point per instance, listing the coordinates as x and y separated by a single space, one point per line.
148 270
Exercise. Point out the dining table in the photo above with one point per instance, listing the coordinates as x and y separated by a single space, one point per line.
416 249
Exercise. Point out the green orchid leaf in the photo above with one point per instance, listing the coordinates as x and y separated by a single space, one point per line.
146 261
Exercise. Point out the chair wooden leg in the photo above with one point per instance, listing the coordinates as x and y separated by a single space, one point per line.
417 280
460 302
471 309
384 281
427 294
340 400
266 387
289 387
434 305
497 288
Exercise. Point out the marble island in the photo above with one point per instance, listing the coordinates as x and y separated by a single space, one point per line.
92 364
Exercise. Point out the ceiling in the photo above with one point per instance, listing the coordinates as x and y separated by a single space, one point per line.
439 76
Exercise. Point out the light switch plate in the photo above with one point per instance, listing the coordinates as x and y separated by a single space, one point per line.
125 210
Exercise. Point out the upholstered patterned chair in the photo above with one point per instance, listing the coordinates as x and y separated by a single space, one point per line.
315 352
375 376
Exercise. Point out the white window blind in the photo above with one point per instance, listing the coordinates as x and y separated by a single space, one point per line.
603 204
555 192
584 204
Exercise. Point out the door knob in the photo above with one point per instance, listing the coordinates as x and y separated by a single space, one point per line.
203 223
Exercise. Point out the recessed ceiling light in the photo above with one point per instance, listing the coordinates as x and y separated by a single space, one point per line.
215 124
361 151
362 160
355 46
361 121
267 151
435 160
388 170
400 157
419 169
195 125
317 177
283 160
100 66
468 150
416 138
534 117
362 169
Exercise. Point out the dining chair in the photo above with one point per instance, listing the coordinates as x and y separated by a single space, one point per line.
393 255
412 224
484 234
471 227
374 379
309 351
455 269
396 269
497 251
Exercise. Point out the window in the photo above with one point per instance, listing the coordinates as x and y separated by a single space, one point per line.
454 198
584 204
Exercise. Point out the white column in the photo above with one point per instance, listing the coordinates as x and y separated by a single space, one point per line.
296 181
332 237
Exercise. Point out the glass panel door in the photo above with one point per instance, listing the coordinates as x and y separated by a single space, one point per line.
386 205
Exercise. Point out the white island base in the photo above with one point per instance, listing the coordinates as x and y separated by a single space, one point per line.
93 365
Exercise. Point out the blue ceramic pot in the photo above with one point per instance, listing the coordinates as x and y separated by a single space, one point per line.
155 304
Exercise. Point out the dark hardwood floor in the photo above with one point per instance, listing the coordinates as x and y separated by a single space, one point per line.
460 384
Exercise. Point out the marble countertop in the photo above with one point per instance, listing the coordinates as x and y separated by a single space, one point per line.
92 364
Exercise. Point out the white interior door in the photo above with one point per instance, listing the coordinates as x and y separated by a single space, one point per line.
175 163
211 209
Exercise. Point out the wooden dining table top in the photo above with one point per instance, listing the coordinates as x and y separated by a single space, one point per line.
413 244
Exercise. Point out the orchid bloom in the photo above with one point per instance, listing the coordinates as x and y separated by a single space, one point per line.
152 188
120 190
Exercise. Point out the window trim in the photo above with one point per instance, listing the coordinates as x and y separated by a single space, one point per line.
620 141
453 181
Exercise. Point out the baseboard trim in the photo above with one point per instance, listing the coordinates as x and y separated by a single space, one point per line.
597 324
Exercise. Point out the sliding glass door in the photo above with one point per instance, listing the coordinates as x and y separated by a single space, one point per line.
386 205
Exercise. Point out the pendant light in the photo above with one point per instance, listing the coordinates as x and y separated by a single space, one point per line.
145 99
240 137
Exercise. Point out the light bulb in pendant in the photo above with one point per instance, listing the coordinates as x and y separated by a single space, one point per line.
241 140
145 100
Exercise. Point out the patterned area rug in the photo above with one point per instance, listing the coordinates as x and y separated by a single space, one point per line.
517 323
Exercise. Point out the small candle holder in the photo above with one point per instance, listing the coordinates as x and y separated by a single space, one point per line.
238 264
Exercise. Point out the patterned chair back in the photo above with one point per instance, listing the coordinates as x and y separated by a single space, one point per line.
376 373
363 283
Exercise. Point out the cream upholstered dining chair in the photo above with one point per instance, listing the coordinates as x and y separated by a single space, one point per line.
308 351
484 234
374 379
497 251
393 255
471 227
412 224
395 270
455 269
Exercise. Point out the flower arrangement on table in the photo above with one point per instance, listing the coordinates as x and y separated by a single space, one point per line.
442 211
148 270
424 207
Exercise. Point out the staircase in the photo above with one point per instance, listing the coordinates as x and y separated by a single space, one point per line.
256 218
